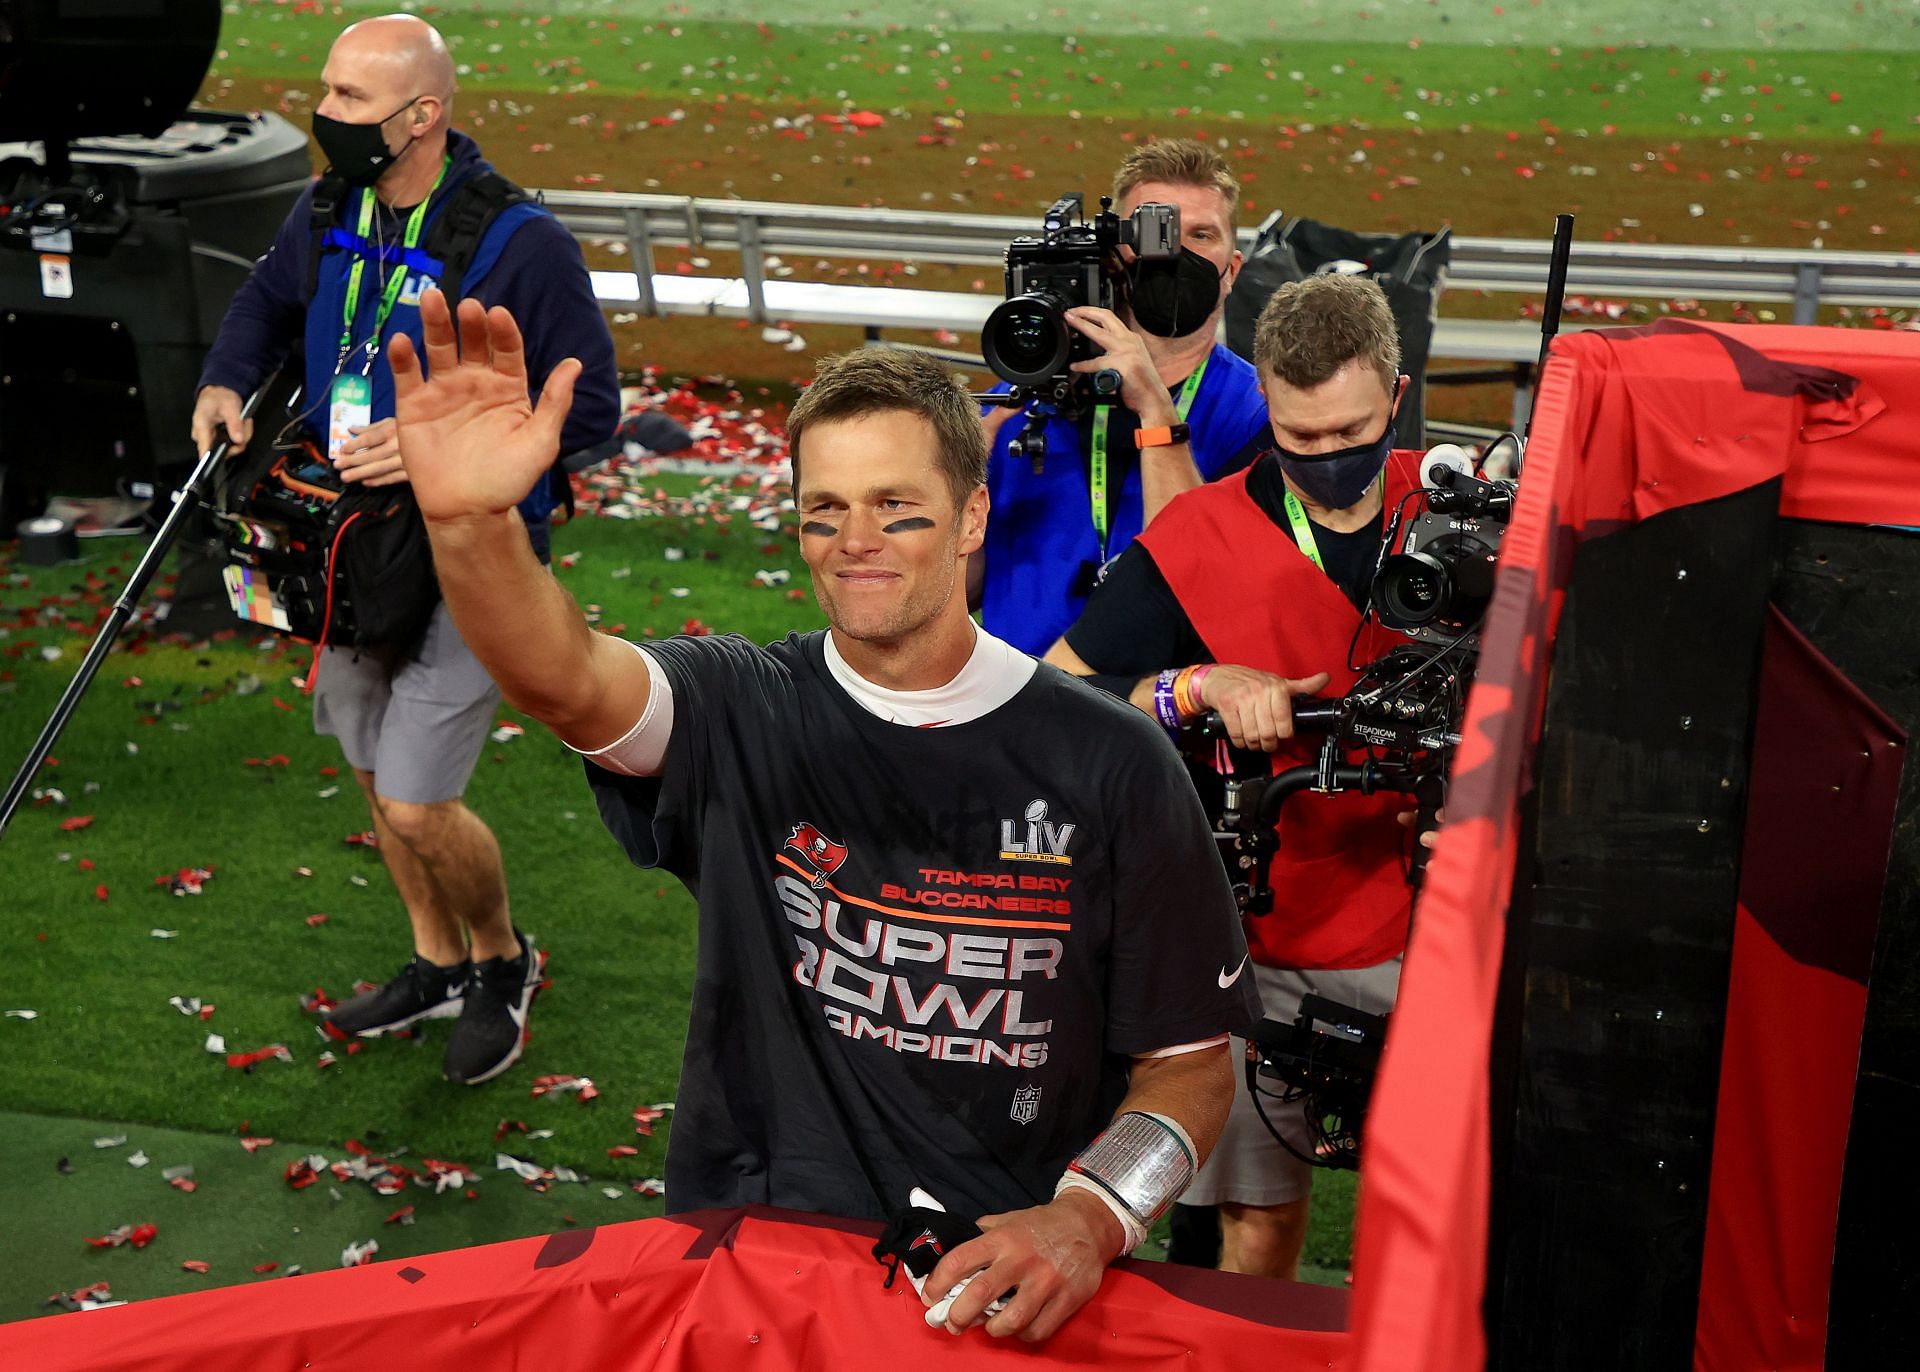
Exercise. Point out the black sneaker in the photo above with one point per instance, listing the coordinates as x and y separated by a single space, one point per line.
492 1031
420 991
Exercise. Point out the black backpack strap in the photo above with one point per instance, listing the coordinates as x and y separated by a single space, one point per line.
457 230
328 194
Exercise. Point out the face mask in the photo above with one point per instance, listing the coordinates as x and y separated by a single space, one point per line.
1172 298
1336 480
358 153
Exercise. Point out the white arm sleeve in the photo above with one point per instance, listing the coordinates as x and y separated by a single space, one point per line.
642 750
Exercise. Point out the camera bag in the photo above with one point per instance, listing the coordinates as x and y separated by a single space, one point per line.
324 561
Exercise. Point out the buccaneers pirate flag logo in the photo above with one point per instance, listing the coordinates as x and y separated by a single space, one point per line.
819 852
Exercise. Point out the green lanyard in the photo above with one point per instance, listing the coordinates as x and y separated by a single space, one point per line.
1303 527
394 284
1097 472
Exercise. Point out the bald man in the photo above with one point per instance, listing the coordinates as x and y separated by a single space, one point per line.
407 203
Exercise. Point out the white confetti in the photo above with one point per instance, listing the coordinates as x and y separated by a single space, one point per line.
110 1141
216 1043
164 933
139 1159
21 1014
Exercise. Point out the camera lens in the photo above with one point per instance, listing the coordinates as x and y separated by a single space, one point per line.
1026 340
1412 589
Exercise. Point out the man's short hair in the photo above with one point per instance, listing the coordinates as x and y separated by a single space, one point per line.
882 380
1177 162
1310 329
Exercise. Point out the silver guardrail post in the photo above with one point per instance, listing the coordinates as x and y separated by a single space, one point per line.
640 253
753 267
1806 293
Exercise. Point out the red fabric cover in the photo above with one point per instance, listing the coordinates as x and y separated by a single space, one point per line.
1628 422
1825 781
768 1289
1340 894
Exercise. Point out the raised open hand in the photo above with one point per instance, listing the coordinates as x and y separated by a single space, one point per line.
471 441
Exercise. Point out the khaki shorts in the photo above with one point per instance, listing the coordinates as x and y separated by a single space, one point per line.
1247 1167
419 723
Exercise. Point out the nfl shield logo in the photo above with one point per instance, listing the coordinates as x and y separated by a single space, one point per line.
1026 1104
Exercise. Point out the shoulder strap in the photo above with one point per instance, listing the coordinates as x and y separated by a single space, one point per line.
456 232
328 194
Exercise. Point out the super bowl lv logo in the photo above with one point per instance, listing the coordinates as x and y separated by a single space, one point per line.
1041 841
821 855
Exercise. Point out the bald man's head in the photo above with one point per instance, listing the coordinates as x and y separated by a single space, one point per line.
411 45
378 65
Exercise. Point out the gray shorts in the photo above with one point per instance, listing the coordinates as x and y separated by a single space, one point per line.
1247 1167
419 723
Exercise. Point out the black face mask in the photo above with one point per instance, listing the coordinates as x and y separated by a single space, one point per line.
1336 480
358 153
1170 298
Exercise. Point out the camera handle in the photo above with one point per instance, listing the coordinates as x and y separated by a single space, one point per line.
1430 796
185 500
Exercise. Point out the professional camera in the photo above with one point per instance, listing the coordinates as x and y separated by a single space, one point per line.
1394 730
1027 340
1327 1059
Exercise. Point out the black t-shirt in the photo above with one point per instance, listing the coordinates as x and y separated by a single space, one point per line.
1134 624
944 942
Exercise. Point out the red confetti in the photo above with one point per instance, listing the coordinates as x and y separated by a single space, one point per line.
622 1150
254 1145
100 891
76 822
267 1267
404 1215
187 1184
645 1117
300 1174
315 921
242 1061
142 1235
194 1265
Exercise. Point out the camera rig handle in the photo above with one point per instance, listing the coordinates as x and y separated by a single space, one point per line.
1101 388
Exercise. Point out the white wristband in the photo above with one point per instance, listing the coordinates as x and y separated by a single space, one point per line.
1136 1231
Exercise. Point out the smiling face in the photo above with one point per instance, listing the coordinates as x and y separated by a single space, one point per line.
878 527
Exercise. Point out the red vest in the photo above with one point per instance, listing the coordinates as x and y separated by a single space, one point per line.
1340 893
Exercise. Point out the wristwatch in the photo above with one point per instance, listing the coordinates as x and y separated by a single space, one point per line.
1163 437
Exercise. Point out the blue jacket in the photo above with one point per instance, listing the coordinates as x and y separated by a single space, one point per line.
1040 532
526 261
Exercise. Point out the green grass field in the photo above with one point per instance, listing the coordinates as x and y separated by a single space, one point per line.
1635 66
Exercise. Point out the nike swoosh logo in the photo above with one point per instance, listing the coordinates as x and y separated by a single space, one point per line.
1227 979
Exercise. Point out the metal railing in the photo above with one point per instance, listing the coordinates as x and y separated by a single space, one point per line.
758 229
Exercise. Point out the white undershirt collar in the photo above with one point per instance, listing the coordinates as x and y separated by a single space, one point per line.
994 673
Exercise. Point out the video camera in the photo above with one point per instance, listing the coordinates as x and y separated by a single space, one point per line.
1330 1068
1403 715
1027 340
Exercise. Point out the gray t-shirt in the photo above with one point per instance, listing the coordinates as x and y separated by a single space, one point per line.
940 946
